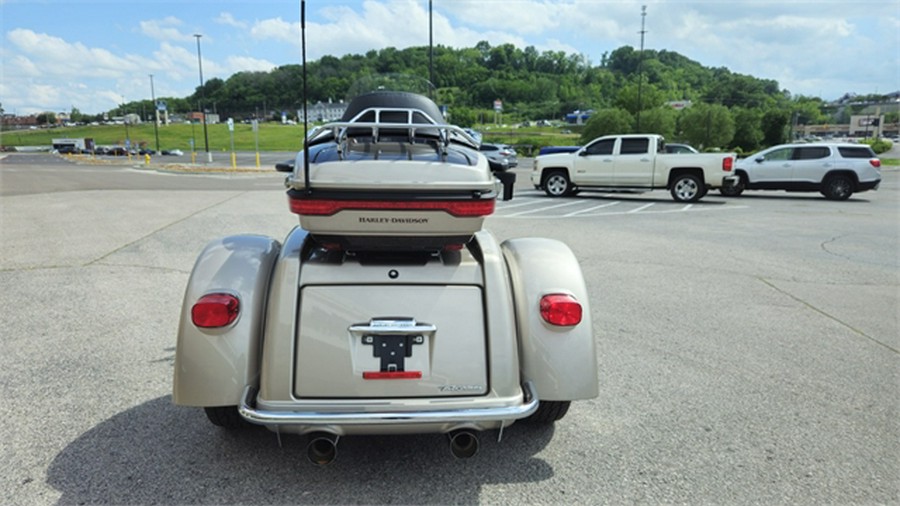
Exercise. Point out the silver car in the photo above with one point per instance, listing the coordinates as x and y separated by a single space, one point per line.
501 154
836 170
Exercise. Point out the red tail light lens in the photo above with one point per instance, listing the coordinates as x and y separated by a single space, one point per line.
215 310
875 162
458 208
727 163
561 310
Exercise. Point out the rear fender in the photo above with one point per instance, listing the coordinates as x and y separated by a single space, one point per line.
560 361
212 366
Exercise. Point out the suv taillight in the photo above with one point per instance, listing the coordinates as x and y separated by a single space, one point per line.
215 310
875 162
560 309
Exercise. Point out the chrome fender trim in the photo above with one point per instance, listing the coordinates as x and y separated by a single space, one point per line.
250 413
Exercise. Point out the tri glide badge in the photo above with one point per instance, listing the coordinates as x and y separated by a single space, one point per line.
392 341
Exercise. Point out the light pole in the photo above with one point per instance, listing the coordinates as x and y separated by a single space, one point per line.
155 113
641 68
202 111
430 50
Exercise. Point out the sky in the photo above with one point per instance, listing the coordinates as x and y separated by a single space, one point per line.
93 55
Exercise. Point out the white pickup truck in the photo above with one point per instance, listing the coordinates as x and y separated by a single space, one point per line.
632 162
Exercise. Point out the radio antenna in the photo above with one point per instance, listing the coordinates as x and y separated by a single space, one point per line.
305 100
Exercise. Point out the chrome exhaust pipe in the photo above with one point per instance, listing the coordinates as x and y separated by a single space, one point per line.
463 444
322 448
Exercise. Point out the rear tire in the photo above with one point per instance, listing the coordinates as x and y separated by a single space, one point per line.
687 188
733 189
557 184
226 417
549 412
837 187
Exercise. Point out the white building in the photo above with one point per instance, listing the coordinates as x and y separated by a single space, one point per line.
325 111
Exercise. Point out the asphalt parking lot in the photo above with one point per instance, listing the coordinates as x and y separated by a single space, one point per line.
749 352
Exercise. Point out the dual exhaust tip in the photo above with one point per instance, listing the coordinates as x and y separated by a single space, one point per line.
322 446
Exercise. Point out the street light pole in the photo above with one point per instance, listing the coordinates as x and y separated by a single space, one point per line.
203 111
641 69
430 50
155 114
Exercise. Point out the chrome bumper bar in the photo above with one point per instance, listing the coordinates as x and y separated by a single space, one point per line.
250 413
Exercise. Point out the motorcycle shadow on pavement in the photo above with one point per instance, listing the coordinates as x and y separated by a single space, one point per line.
161 453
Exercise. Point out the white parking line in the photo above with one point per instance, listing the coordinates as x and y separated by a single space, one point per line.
576 213
639 209
520 204
564 204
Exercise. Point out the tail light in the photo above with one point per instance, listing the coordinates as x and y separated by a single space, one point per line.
458 208
875 162
727 163
215 310
561 310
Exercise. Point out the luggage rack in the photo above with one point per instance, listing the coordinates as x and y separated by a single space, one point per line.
414 129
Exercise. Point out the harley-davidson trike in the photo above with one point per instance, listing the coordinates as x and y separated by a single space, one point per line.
389 309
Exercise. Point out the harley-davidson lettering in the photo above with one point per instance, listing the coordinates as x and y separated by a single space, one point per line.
407 221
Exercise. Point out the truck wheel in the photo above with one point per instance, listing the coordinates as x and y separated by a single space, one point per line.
226 417
733 189
838 187
558 184
549 412
687 188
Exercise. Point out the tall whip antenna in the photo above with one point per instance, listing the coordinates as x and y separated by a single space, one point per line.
305 100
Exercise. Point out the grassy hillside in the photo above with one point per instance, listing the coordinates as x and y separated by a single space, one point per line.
272 136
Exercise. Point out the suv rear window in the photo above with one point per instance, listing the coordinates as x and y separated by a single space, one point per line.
811 153
856 152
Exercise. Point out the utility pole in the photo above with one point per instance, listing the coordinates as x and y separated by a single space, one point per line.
430 51
641 67
202 111
155 114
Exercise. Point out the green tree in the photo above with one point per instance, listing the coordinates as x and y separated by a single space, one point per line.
46 118
774 126
707 125
660 120
607 122
632 98
748 133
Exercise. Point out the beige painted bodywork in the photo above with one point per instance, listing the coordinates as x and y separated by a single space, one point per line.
492 290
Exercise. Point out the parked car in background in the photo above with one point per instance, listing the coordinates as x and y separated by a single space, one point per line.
116 151
632 162
836 170
500 153
674 147
173 152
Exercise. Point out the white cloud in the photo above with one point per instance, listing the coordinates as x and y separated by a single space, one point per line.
167 29
226 18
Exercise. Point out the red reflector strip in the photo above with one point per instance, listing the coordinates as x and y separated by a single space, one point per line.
392 375
460 208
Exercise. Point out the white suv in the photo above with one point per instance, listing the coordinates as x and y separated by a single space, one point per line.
835 170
